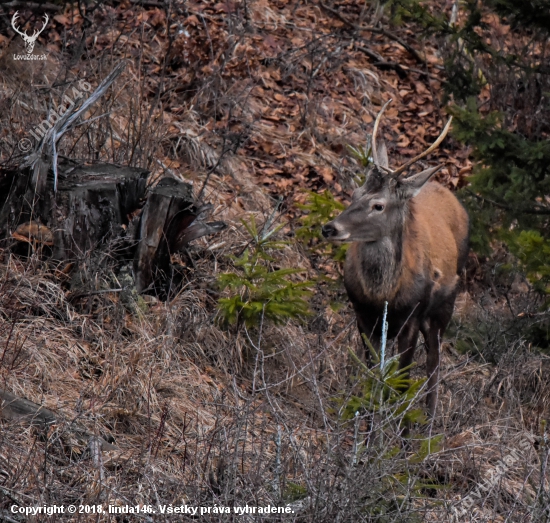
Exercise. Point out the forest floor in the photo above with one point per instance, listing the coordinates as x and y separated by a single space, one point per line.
254 103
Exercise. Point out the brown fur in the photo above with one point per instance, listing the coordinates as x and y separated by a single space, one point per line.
410 255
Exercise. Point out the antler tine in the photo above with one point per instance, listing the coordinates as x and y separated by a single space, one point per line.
375 131
38 31
13 20
432 147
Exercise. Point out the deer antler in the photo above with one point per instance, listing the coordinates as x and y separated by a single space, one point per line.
29 40
13 19
375 132
432 147
36 33
400 170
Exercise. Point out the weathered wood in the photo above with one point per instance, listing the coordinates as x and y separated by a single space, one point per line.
169 221
43 159
15 409
169 209
197 230
91 206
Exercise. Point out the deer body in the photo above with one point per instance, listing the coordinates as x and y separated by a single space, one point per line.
409 243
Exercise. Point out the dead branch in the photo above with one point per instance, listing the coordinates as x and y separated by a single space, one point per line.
377 30
381 63
45 154
402 70
19 409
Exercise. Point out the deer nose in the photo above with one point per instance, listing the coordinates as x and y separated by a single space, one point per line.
328 230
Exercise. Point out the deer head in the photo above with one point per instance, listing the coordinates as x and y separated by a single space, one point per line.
378 206
29 40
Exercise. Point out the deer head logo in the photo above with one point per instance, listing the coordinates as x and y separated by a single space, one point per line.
29 40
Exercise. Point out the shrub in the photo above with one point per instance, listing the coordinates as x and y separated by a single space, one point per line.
261 293
258 291
320 209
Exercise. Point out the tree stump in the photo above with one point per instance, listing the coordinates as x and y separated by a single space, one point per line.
169 210
91 212
90 207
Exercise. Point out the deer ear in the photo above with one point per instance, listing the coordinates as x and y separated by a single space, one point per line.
383 154
411 186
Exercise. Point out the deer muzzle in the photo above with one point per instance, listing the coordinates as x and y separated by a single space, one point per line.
331 232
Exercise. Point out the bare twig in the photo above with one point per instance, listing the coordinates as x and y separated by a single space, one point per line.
377 30
45 155
381 63
508 208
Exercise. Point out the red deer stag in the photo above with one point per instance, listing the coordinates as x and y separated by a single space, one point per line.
409 244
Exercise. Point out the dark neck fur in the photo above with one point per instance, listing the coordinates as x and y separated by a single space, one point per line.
382 261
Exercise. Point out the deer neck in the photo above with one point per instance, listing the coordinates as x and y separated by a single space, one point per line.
381 263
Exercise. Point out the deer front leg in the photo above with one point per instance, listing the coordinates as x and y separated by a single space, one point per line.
406 342
433 345
370 332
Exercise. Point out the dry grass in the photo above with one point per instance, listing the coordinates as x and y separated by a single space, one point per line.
204 415
213 416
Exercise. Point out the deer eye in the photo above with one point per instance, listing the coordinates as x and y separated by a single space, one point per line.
378 207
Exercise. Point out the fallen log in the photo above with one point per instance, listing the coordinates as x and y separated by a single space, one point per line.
15 409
